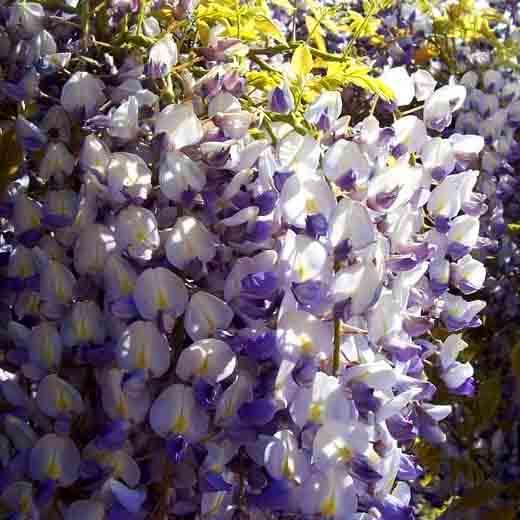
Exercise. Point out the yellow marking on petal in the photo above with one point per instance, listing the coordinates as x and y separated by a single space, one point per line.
25 504
311 206
161 301
82 332
53 469
302 271
122 407
456 312
141 236
306 344
142 360
288 468
458 237
391 161
60 292
440 206
373 457
132 175
180 425
189 248
126 286
315 412
203 369
24 270
212 326
63 401
117 465
47 351
33 305
328 507
35 221
344 454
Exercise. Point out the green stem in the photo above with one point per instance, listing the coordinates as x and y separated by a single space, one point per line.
278 49
337 338
293 29
104 44
64 22
291 119
374 104
267 124
263 65
411 111
237 7
140 17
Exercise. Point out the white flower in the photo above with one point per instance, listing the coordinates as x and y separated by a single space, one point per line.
162 57
401 84
180 124
83 94
124 122
178 174
189 240
27 15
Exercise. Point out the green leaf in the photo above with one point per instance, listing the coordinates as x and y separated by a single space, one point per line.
488 399
504 513
515 362
302 62
478 496
429 457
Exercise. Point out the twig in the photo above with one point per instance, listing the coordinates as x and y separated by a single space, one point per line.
337 347
85 22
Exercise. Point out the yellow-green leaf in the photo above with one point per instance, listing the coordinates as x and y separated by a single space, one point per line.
428 512
359 75
316 33
12 156
284 4
302 62
268 28
261 80
363 26
514 228
204 32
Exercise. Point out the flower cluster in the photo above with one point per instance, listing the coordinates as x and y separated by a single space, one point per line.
216 301
482 434
490 111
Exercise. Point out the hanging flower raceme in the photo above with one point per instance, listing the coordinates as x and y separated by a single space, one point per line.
218 288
